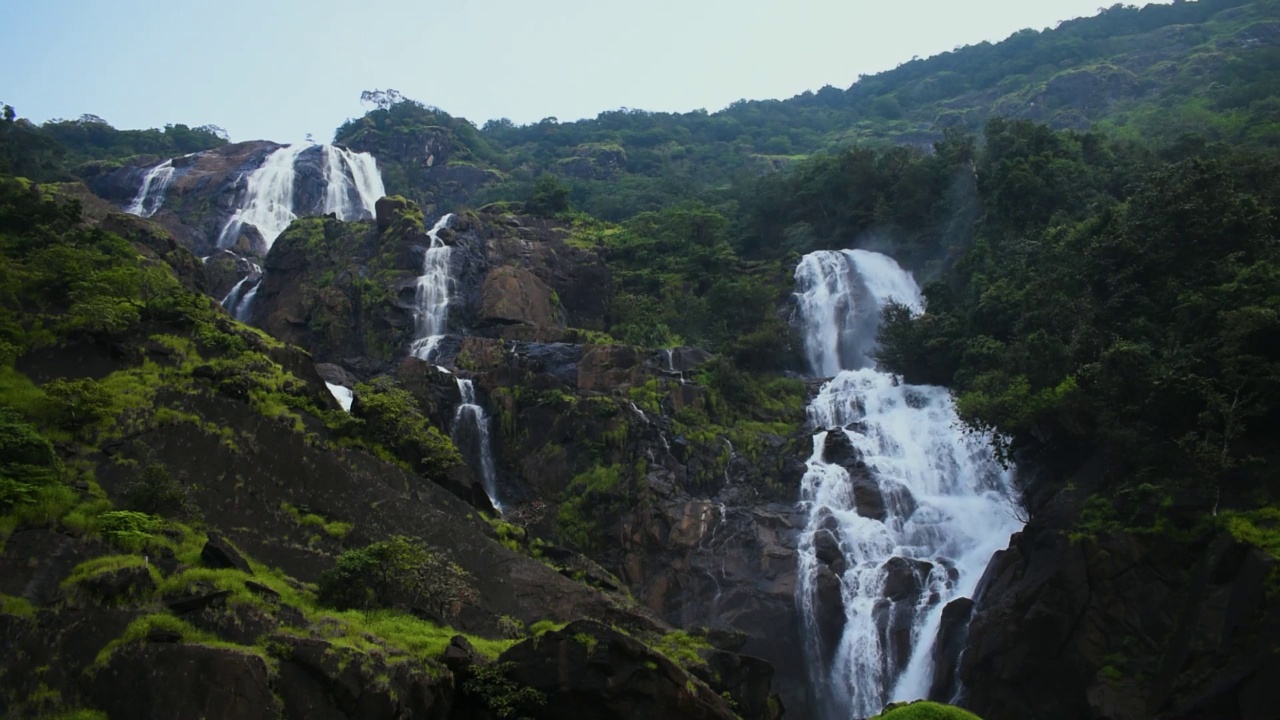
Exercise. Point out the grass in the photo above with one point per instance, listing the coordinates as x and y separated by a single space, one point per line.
107 564
682 648
16 606
333 528
141 627
1258 527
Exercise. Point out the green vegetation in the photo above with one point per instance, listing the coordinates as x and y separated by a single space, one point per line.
394 421
399 573
1141 73
59 149
332 528
923 710
1115 303
683 649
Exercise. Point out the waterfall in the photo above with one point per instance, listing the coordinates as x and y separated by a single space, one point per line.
905 506
151 195
352 183
352 187
431 301
471 415
233 298
242 308
268 204
342 394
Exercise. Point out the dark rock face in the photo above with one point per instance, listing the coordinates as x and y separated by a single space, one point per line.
589 671
206 189
953 636
167 680
1122 627
427 157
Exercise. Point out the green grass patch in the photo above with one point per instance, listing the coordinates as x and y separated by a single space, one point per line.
684 649
926 711
141 627
1257 527
107 564
16 606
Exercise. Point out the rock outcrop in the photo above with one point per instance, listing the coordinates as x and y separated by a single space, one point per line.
1123 627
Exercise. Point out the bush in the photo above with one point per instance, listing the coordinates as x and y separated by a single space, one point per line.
157 493
400 574
926 711
393 419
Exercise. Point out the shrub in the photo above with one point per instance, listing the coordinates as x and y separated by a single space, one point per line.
399 573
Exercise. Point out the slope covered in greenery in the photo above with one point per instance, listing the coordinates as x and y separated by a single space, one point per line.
1154 72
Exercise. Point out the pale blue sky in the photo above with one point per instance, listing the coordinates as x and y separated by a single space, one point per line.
279 69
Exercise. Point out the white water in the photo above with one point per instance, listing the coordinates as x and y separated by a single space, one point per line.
431 301
840 295
470 414
268 202
151 195
347 174
242 308
233 297
946 500
342 394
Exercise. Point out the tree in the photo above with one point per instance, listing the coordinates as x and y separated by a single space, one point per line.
382 99
550 196
399 574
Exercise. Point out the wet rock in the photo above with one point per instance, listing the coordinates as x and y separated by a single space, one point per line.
826 547
829 609
953 635
905 578
838 449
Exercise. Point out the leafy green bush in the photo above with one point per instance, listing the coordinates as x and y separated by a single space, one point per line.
157 493
923 710
399 573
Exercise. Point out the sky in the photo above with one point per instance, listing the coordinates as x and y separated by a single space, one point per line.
282 69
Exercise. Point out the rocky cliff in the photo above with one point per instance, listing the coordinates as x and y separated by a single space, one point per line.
162 551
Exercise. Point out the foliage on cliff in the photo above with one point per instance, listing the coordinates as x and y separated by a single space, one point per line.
1155 72
1116 304
55 150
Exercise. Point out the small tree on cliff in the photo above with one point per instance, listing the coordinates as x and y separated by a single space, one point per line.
401 574
550 196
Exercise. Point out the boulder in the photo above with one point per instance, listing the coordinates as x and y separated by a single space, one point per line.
589 671
121 586
218 553
168 680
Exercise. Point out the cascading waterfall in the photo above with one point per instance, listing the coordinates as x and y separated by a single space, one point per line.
470 416
352 183
431 301
243 308
240 298
268 202
352 187
151 195
905 507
